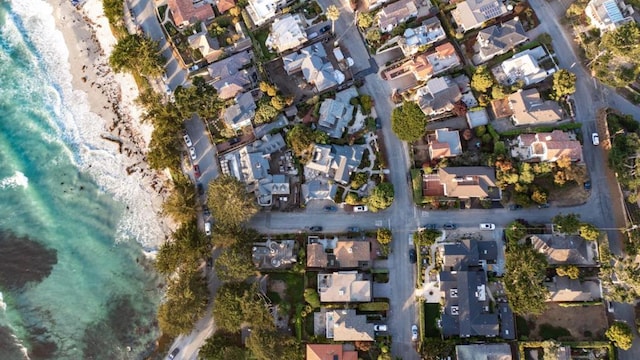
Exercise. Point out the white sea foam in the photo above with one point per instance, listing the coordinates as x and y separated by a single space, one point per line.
18 179
3 305
83 129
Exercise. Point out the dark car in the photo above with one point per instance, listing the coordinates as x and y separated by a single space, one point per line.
209 262
324 29
354 229
330 208
430 226
316 228
200 189
196 171
378 123
205 211
587 185
543 206
234 140
515 207
449 226
413 257
174 353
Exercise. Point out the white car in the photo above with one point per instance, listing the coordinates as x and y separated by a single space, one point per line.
187 140
207 228
487 226
360 208
595 139
380 327
610 306
192 152
414 332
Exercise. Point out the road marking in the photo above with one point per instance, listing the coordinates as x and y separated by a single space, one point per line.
379 223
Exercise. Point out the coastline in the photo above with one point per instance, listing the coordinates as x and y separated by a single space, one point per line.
111 96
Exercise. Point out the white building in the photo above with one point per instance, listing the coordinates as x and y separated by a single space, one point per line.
287 33
524 66
261 11
607 15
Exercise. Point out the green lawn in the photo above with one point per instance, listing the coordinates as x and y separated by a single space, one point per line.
548 331
416 182
261 37
295 286
431 316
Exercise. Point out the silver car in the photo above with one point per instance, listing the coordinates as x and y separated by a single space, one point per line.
414 332
192 152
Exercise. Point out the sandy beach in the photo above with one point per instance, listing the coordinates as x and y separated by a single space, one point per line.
110 95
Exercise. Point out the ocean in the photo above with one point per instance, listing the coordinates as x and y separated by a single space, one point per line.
74 280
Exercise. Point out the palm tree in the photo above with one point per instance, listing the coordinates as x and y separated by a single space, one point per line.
333 14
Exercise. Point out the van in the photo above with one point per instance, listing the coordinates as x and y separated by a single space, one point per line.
207 228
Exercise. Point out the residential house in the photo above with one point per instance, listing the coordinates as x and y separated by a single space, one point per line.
187 12
316 68
471 14
484 352
341 254
271 254
318 190
233 85
438 96
335 116
373 4
429 32
250 165
444 143
334 162
227 67
527 108
330 352
344 287
565 250
548 146
469 253
463 183
607 15
498 39
507 321
477 117
564 289
206 45
394 14
524 67
225 5
346 325
426 65
261 11
287 32
239 115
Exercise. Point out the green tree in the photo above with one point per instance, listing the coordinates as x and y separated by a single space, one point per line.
564 83
481 81
425 237
114 11
180 205
408 122
572 271
539 196
266 112
187 248
223 346
352 199
333 14
550 350
365 20
234 264
187 296
312 298
383 236
373 36
268 88
359 179
525 271
381 197
301 139
268 344
589 232
278 102
621 335
498 92
623 41
526 175
568 224
230 203
137 54
435 348
199 98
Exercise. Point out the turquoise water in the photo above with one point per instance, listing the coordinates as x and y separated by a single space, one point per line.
73 281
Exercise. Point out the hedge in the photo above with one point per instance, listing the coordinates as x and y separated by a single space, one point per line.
374 306
516 132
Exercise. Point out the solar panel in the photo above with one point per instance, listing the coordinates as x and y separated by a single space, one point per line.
613 11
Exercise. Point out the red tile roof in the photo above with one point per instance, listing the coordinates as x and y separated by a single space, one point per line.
225 5
185 11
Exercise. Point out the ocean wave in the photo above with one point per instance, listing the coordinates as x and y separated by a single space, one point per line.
82 130
3 305
17 180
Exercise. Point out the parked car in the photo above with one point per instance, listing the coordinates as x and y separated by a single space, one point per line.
449 226
207 228
610 306
543 206
196 170
187 140
515 207
194 67
315 228
354 229
378 123
192 152
174 353
164 76
413 256
209 262
324 29
233 141
587 185
205 210
167 89
379 327
200 189
595 139
414 332
331 208
487 226
360 208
